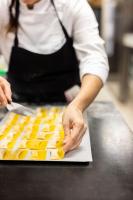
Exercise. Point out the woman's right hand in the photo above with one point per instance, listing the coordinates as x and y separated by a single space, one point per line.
5 92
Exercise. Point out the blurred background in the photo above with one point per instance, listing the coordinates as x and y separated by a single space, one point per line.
115 19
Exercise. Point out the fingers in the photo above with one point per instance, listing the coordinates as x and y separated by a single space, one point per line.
5 92
67 130
3 100
74 127
75 138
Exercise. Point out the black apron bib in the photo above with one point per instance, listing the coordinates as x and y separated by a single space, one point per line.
42 78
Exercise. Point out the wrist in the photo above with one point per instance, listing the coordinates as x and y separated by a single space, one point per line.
78 105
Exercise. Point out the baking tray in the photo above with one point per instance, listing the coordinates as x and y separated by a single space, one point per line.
82 154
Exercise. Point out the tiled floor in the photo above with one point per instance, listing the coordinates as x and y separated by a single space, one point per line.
110 93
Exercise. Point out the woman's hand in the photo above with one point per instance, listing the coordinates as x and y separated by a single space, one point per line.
73 122
74 127
5 92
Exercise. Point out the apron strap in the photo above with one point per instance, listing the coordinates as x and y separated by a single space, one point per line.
63 28
17 23
16 41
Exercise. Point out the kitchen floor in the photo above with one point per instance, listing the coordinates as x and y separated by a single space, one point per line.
110 93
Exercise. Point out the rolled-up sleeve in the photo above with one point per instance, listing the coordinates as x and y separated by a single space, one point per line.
88 44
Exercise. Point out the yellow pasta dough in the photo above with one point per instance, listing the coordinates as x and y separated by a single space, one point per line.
38 137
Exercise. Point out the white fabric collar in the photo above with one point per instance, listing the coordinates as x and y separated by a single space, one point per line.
42 4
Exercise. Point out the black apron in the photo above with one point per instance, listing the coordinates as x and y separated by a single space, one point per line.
39 78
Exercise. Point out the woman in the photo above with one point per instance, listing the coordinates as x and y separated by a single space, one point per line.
47 44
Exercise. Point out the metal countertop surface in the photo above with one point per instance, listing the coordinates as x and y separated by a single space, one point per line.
109 177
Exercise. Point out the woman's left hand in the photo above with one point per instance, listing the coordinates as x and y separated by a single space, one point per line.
74 127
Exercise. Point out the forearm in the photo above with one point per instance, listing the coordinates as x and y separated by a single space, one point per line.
90 86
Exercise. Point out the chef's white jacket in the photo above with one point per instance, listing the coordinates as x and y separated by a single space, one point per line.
40 32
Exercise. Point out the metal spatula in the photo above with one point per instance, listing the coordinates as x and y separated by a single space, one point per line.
19 109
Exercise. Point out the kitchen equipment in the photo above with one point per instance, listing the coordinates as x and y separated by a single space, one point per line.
20 109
